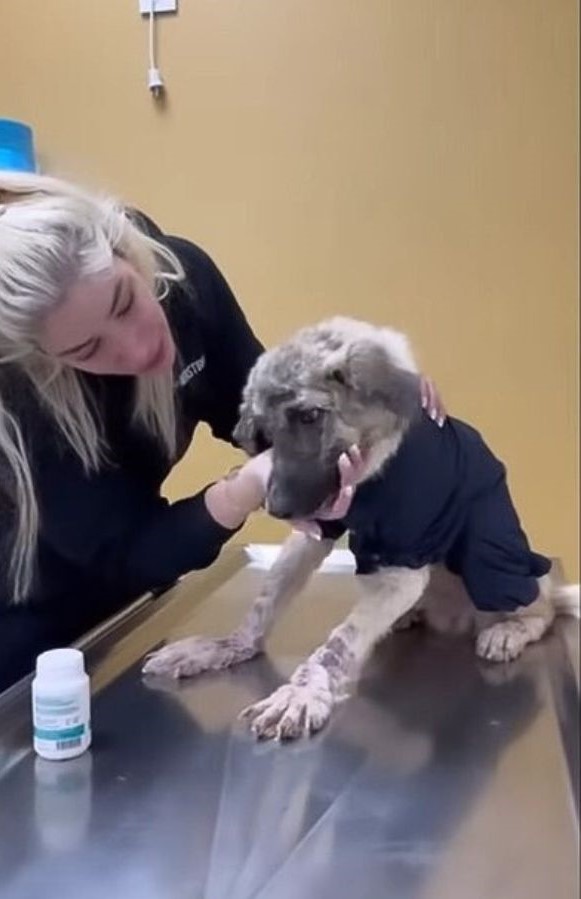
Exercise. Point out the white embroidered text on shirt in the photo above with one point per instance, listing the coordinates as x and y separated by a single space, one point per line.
191 370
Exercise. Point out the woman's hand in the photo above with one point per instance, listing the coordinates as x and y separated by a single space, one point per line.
351 470
256 474
231 500
431 401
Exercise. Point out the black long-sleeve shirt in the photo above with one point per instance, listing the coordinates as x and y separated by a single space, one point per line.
443 498
111 530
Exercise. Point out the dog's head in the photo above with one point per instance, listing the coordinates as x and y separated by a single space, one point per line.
332 385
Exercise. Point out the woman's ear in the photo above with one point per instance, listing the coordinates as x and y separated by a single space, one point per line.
364 367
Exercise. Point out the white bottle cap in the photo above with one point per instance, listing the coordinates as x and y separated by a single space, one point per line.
60 662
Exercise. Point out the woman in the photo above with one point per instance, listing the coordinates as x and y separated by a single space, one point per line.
115 342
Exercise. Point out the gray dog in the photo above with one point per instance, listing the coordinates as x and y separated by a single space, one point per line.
433 505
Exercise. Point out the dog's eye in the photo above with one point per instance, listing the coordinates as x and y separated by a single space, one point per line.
309 416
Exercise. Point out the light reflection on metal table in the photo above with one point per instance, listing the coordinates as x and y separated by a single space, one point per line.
443 778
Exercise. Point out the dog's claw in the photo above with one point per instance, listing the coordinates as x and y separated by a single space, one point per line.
292 711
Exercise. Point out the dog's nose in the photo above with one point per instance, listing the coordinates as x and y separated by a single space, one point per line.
278 508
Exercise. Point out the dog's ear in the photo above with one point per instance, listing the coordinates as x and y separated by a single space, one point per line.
248 434
365 368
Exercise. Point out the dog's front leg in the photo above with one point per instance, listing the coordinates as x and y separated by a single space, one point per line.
299 557
304 705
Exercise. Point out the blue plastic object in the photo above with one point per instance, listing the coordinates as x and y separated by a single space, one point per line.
16 146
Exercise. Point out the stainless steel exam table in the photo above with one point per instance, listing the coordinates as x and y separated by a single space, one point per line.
443 778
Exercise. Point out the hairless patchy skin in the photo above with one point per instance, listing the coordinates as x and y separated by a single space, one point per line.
299 557
304 704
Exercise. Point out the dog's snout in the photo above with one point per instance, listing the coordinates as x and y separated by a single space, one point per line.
279 507
281 499
297 490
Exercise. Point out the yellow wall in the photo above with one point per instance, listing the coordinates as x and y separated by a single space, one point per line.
408 161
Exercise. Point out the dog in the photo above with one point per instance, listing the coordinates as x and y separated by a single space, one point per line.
432 508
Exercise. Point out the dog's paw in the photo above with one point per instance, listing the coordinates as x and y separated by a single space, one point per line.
186 658
294 710
502 642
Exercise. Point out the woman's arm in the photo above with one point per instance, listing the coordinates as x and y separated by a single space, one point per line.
108 525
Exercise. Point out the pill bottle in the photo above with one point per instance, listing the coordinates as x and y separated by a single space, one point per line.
61 705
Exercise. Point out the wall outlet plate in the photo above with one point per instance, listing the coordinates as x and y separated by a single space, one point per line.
158 6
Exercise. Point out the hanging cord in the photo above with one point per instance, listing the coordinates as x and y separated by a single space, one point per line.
154 79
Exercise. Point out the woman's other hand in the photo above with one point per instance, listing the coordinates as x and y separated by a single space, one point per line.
351 469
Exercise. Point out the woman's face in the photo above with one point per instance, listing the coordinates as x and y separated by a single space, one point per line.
110 324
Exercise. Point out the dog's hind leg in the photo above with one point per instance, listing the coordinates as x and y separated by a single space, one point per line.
299 557
304 705
505 639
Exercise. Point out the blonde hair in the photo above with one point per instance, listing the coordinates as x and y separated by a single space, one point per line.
52 233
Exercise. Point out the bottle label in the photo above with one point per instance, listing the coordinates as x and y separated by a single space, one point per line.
59 722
